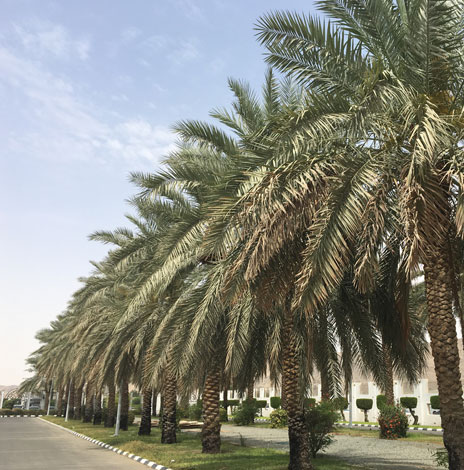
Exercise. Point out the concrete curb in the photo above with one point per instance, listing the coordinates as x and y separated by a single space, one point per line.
373 426
146 462
20 416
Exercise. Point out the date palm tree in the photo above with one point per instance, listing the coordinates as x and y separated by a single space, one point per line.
382 116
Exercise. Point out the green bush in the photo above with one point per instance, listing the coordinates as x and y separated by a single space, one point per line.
261 403
320 419
223 415
234 402
393 422
410 403
130 418
136 401
195 411
278 418
340 404
435 402
381 401
276 402
8 403
364 404
245 413
308 402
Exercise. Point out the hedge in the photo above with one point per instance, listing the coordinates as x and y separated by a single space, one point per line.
381 401
276 402
364 404
230 403
435 402
408 402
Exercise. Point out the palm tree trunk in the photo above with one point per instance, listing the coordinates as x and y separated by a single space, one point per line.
155 400
72 395
97 417
457 289
169 402
226 402
110 412
145 423
297 431
78 403
124 397
88 407
211 431
250 394
388 385
325 389
59 402
442 331
47 396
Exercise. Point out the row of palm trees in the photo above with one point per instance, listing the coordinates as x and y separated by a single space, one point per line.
294 231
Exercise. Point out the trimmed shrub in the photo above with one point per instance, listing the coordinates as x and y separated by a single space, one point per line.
308 402
279 418
230 403
234 402
245 413
195 411
410 403
136 401
223 415
365 404
381 401
393 422
320 419
276 402
130 418
435 402
261 403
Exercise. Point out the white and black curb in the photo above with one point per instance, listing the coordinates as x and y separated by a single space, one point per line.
373 426
141 460
20 416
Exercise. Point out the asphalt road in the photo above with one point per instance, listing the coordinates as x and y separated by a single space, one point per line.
29 443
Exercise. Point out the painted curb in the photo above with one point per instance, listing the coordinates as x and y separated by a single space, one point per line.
373 426
146 462
20 416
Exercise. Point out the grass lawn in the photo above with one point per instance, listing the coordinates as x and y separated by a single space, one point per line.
374 433
186 454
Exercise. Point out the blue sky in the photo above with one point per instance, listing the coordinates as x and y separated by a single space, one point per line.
88 92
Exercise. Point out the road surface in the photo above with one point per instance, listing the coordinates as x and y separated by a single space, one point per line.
31 444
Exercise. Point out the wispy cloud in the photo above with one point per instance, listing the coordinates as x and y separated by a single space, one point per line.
190 8
186 51
178 51
130 34
60 124
49 39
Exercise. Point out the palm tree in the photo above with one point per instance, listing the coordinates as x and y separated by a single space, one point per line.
386 117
